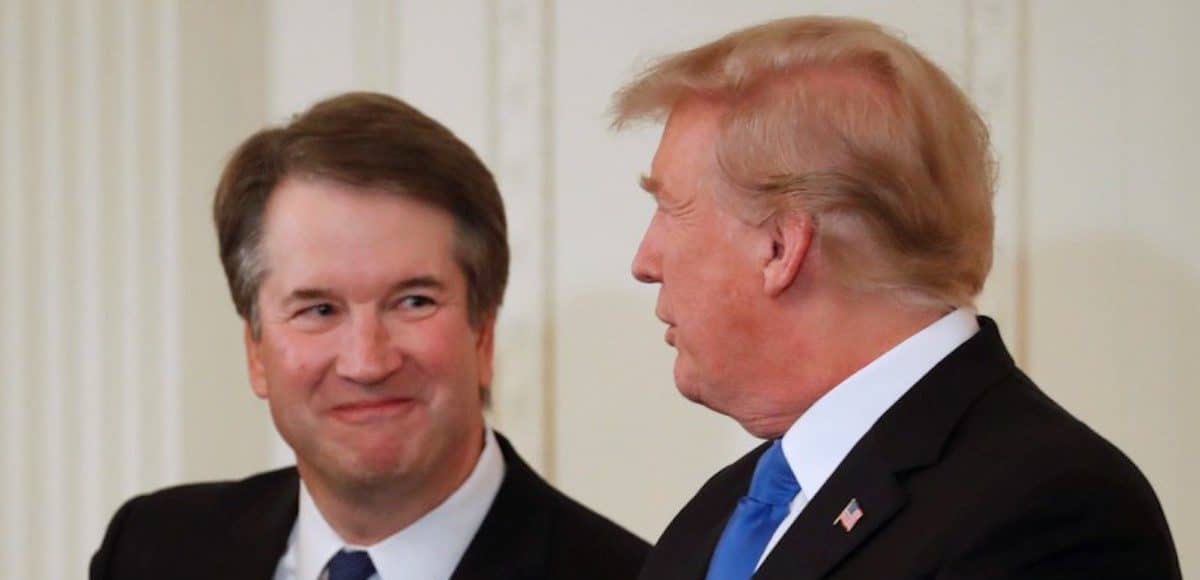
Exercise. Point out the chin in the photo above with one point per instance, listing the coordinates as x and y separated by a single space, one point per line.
688 388
759 430
375 465
360 466
697 392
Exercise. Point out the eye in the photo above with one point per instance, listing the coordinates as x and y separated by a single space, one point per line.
415 306
322 310
416 302
316 317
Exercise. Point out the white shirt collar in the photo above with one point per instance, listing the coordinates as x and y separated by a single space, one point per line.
820 439
428 549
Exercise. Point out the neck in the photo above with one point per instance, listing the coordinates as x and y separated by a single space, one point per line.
824 340
364 513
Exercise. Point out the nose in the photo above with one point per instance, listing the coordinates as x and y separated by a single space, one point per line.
368 356
647 262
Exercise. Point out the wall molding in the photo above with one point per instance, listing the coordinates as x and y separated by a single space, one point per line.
522 161
92 436
15 370
996 81
52 457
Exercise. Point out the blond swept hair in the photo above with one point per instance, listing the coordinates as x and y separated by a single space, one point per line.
842 121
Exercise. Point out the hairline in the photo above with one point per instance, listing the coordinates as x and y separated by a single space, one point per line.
253 267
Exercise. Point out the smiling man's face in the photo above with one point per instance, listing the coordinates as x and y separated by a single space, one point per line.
366 354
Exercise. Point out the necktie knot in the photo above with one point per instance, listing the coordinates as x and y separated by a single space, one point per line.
755 518
355 565
773 482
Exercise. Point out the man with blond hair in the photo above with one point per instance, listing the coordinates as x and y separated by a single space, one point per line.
823 226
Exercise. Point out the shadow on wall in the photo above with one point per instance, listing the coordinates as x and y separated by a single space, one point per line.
1114 336
629 444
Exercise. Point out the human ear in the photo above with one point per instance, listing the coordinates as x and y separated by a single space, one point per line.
258 375
791 239
484 350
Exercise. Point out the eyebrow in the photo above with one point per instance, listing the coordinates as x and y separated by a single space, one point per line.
427 282
415 282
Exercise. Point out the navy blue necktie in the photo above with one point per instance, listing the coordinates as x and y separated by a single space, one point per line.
354 565
754 520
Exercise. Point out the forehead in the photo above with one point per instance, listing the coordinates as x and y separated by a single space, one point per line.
687 150
322 225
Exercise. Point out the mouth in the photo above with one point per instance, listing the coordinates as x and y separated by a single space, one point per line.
669 336
363 412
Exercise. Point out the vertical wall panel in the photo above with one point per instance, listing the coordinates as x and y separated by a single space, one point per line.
995 81
63 404
169 191
51 162
520 158
299 70
443 63
91 298
14 380
225 428
376 62
129 193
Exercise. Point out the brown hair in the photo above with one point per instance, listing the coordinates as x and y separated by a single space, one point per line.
364 140
840 120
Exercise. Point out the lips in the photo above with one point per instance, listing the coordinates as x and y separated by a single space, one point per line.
670 335
360 412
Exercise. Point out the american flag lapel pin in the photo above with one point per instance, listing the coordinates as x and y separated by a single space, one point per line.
849 516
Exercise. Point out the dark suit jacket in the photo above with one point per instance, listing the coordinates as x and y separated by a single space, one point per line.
974 473
239 530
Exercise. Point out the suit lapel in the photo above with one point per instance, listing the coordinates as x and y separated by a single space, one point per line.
685 548
908 436
817 541
693 564
259 537
511 542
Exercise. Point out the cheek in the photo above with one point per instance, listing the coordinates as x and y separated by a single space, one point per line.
722 299
298 358
441 347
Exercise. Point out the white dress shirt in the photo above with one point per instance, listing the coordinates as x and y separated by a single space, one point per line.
428 549
819 440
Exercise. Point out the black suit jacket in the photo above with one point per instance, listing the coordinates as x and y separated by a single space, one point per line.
974 473
239 530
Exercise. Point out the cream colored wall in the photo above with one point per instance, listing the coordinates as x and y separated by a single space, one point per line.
1113 276
121 366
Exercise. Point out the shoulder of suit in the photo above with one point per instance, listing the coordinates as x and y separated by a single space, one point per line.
583 538
1020 470
574 530
1015 437
214 499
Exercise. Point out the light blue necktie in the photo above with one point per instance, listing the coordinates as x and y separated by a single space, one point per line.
754 520
354 565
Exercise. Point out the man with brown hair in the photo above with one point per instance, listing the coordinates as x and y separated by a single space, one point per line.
366 251
823 225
